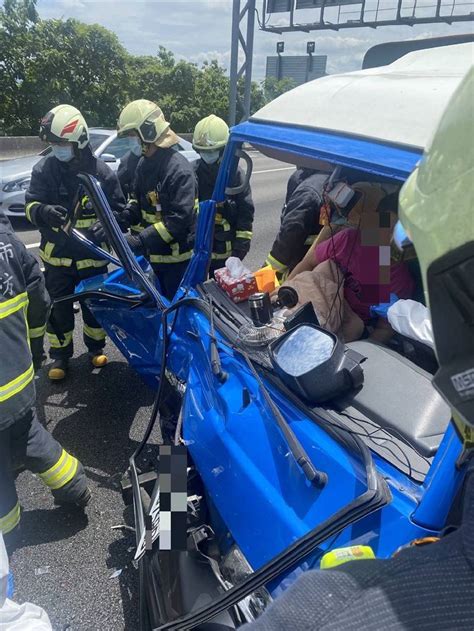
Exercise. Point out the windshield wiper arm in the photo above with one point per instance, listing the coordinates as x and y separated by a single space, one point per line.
318 478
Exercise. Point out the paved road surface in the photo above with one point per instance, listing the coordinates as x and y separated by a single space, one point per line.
63 562
268 186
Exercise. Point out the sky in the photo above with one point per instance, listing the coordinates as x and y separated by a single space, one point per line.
201 30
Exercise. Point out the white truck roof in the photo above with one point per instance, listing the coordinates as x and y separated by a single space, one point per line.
400 103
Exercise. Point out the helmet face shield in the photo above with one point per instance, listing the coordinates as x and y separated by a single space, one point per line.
149 130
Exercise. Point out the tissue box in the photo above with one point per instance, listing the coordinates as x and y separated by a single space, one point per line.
238 289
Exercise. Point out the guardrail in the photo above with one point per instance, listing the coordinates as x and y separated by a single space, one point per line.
19 146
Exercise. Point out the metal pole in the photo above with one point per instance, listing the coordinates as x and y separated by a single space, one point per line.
234 58
249 58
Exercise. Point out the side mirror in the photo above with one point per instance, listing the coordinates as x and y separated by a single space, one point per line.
108 157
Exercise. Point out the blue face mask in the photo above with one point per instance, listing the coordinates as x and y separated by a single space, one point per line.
136 146
210 157
64 153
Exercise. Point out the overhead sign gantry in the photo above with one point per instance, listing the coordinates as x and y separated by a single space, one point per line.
285 16
320 15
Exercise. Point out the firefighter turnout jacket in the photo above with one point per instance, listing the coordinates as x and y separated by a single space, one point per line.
126 172
299 220
56 183
24 304
234 216
163 207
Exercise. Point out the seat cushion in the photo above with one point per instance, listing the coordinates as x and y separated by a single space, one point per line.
398 396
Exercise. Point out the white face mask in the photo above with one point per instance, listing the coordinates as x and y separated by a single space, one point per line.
136 146
64 153
210 157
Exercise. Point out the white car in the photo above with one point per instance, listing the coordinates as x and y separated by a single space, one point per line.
15 174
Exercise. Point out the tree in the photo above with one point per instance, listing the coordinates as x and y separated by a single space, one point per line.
273 87
48 62
212 90
79 64
17 19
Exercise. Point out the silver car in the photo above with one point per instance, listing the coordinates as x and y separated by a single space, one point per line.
15 174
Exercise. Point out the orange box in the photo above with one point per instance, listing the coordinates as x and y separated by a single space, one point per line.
266 279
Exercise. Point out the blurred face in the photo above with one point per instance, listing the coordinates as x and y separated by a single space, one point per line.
139 147
63 151
135 141
211 156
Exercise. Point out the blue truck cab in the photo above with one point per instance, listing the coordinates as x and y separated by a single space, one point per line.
385 454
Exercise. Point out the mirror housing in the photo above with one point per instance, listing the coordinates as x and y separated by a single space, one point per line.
108 157
314 363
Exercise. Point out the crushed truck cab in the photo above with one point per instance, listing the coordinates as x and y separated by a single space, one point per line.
277 480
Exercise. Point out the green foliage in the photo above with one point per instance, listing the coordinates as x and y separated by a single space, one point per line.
273 87
48 62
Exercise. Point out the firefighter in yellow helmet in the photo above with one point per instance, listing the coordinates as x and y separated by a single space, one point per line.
24 441
52 193
234 216
427 587
162 208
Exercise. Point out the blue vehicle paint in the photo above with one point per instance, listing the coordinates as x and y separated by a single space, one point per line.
258 494
242 449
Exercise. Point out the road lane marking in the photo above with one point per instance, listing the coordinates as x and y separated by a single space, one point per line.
273 170
30 246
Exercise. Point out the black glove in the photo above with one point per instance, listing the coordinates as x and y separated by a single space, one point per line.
131 214
228 209
54 216
37 352
96 233
135 244
38 361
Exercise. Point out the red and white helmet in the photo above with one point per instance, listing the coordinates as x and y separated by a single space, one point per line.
64 123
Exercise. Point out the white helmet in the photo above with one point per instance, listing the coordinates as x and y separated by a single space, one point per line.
148 121
210 134
64 123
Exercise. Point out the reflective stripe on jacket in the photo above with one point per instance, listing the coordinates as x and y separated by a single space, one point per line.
299 220
23 303
164 206
234 216
56 183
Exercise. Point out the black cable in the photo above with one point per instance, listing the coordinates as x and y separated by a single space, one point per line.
393 430
261 24
366 433
389 439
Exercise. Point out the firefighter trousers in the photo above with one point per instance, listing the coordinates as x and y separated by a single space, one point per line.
27 443
170 276
62 281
